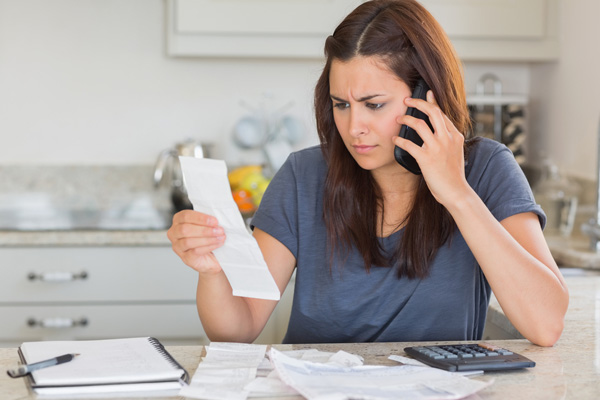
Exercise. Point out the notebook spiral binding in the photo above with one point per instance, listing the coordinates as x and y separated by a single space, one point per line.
167 356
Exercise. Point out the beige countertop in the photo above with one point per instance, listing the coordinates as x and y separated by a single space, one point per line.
570 369
570 252
84 238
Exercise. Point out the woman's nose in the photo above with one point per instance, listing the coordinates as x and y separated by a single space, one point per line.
358 124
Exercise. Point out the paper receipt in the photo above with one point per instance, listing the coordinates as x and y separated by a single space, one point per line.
240 257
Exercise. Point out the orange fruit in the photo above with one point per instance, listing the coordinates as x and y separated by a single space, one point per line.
243 199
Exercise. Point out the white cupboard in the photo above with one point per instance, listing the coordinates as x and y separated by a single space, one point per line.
481 30
500 30
66 293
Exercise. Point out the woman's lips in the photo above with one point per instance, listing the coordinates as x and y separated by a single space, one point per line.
363 149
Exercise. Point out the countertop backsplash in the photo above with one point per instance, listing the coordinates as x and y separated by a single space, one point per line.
64 198
586 204
125 196
574 250
586 198
83 186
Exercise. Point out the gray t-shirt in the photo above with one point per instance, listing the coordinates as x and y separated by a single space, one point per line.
347 304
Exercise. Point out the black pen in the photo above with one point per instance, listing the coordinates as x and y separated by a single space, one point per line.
23 370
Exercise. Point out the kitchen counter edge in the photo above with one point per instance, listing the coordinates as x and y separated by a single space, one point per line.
84 238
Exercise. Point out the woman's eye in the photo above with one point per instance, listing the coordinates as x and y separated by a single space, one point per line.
374 106
341 105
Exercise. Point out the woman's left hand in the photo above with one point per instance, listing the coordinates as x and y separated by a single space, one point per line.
441 158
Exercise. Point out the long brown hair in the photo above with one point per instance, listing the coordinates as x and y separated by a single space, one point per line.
412 44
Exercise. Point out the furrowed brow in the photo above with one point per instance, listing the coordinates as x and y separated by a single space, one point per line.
337 99
365 98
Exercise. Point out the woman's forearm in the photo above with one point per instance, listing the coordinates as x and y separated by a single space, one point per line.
224 317
517 264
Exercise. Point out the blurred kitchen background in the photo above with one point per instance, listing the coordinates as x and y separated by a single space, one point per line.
91 82
94 92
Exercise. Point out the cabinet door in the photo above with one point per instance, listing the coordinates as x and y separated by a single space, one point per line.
282 29
493 19
509 30
71 322
94 274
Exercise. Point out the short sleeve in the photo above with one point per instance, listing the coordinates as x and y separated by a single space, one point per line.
500 182
277 214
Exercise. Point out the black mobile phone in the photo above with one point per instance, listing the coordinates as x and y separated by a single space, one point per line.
402 156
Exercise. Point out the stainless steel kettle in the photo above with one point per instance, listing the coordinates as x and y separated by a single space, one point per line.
168 169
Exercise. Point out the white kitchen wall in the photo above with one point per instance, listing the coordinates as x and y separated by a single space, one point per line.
88 82
564 95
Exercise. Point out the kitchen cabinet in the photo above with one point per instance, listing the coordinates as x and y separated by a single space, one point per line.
280 29
500 30
67 293
481 30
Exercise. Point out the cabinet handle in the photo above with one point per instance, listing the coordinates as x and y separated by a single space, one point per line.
57 322
57 276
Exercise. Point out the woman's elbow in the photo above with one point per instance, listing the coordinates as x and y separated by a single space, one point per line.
549 335
550 330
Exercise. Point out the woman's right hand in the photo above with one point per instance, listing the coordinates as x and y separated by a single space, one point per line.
194 236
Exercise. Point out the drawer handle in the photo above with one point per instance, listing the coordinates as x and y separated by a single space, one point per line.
57 322
57 276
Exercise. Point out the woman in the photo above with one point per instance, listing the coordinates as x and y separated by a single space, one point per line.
382 254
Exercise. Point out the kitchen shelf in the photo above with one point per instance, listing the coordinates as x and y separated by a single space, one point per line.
492 100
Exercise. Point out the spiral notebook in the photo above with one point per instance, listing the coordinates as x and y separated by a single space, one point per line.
132 366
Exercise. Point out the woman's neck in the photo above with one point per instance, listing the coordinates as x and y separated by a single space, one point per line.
398 191
396 183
